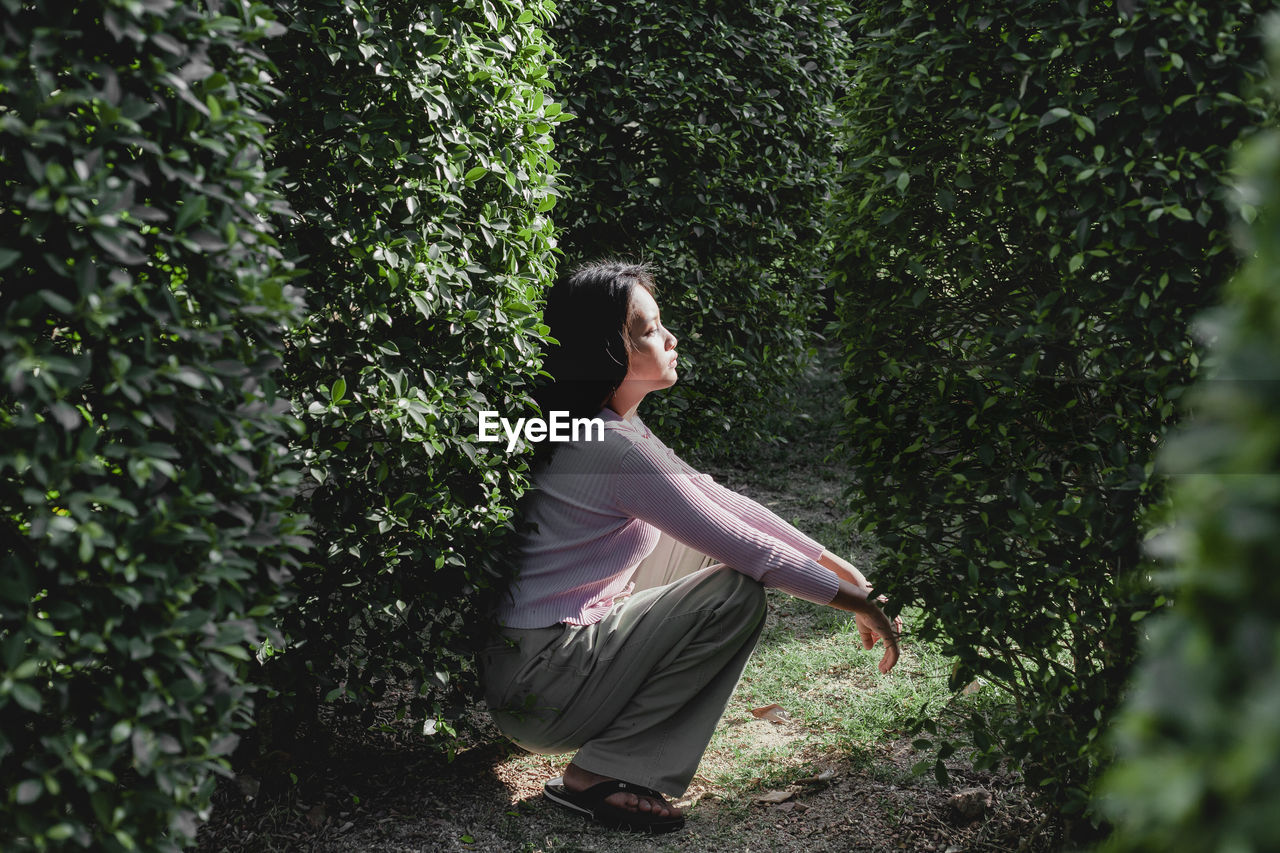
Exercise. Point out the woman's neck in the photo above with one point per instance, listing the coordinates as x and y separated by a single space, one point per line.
626 401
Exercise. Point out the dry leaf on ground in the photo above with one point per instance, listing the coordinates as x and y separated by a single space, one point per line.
774 713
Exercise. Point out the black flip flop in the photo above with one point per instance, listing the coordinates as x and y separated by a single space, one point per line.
591 805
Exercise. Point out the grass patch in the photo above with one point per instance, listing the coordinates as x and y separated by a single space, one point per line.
811 662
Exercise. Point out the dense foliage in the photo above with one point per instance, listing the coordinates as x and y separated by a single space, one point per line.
1034 204
703 143
142 475
415 139
1199 736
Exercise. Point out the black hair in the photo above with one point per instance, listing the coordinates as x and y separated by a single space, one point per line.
587 312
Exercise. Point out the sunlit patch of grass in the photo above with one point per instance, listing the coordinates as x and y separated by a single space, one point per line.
811 662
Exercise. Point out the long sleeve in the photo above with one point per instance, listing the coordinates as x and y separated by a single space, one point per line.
656 488
750 512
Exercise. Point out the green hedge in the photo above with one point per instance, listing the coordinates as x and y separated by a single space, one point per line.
143 484
1199 735
1034 205
703 143
416 140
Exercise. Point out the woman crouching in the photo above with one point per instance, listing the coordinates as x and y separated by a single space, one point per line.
636 682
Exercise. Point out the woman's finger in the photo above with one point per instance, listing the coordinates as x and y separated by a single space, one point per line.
868 636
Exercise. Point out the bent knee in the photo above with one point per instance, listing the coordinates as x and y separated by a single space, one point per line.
741 591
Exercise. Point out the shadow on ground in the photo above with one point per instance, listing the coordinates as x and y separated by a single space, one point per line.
395 798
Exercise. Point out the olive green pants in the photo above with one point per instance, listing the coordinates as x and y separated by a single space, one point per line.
639 693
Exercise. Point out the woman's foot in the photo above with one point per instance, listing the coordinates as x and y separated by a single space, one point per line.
577 779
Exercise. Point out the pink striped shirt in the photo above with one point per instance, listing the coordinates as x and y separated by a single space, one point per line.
598 510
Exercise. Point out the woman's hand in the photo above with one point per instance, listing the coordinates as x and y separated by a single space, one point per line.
873 630
873 625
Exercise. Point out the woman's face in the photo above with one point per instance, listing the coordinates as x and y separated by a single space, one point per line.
652 349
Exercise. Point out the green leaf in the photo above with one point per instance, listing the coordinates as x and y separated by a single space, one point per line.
28 791
27 696
338 390
1053 115
26 669
190 377
194 208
